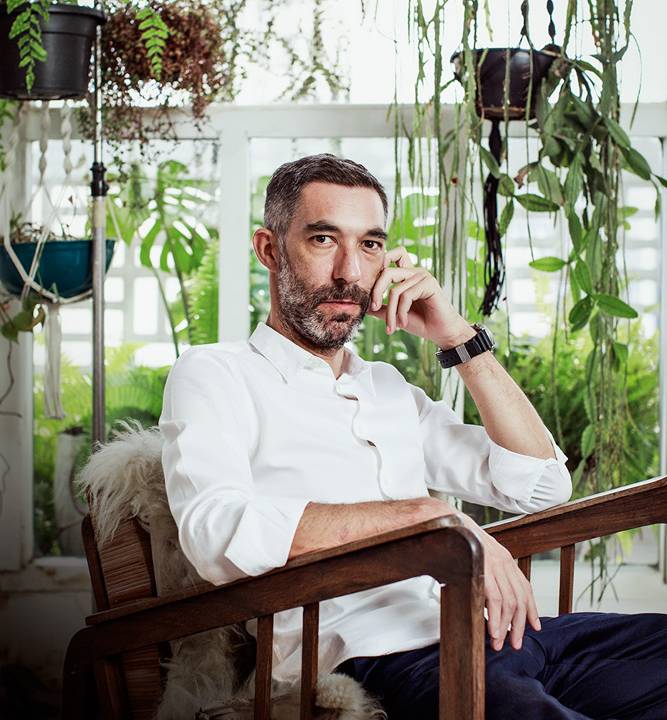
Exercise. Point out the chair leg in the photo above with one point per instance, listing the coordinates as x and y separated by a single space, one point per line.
110 689
79 699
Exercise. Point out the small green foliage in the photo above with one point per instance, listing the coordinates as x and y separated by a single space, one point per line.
154 34
26 29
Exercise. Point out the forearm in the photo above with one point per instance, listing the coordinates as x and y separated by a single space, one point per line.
326 525
508 416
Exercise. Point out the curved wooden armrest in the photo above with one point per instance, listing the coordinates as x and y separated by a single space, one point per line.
441 548
632 506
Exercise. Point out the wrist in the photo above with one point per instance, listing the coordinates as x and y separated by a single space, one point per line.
457 335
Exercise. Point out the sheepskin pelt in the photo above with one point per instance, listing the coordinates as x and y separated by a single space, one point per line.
211 674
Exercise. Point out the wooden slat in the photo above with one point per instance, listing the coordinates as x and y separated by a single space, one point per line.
300 581
462 650
309 643
127 564
524 565
632 506
94 565
122 572
263 668
566 586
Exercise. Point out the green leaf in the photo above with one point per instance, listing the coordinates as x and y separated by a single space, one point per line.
574 179
583 275
506 186
621 352
505 217
549 185
536 203
661 180
637 163
548 264
612 305
587 441
619 136
584 111
580 313
489 161
15 4
574 226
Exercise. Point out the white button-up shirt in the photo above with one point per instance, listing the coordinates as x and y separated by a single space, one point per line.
254 431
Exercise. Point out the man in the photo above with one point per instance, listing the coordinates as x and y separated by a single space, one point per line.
289 443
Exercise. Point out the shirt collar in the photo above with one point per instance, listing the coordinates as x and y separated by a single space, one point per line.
288 357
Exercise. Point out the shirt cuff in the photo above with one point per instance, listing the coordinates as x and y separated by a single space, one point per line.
517 475
264 535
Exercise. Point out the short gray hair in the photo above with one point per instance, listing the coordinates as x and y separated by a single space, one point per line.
284 189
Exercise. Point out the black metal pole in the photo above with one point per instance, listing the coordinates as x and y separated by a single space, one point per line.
98 189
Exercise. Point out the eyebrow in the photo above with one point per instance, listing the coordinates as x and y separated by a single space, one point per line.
324 226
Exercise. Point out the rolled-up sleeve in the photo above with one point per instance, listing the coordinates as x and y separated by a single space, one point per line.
226 529
463 461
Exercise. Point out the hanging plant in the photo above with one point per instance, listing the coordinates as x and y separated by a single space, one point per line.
34 31
188 54
574 112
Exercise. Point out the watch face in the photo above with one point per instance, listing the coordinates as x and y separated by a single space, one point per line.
487 332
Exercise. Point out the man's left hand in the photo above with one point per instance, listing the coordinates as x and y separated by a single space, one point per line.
416 303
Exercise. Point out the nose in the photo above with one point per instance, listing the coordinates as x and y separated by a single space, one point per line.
346 265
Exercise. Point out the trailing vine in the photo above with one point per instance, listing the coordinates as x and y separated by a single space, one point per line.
577 173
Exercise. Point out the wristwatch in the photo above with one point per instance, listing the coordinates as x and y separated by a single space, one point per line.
482 342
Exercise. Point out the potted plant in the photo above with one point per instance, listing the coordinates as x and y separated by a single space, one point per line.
32 31
63 272
188 54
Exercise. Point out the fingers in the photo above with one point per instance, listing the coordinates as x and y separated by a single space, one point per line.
508 608
400 299
510 600
400 256
386 277
494 605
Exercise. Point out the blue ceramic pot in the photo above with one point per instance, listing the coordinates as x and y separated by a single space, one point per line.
65 266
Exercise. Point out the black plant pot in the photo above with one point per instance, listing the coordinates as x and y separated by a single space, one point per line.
67 36
491 78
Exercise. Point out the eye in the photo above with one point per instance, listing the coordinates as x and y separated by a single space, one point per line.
372 245
321 239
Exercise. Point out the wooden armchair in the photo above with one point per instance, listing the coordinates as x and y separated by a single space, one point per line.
119 650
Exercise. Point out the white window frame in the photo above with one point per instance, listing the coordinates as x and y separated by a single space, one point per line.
235 127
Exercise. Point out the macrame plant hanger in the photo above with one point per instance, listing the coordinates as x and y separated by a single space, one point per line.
494 262
50 299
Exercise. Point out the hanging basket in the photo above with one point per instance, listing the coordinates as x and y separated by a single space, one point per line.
67 37
491 79
65 266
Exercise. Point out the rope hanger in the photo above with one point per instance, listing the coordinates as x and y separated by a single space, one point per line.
494 263
51 300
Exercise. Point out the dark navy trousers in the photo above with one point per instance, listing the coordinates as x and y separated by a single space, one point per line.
580 666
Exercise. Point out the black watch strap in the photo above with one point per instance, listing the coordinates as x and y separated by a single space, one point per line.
478 344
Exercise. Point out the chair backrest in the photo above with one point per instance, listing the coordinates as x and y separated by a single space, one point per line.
122 571
132 547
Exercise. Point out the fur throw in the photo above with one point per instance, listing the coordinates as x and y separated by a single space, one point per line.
211 674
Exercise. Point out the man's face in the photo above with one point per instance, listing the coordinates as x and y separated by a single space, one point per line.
329 261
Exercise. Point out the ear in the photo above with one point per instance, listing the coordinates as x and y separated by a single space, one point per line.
266 248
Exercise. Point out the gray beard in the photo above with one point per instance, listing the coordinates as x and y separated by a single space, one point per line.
299 309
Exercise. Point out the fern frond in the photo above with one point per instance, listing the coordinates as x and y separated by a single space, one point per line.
27 31
154 34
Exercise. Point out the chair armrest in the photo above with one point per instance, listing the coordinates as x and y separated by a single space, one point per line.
632 506
441 548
